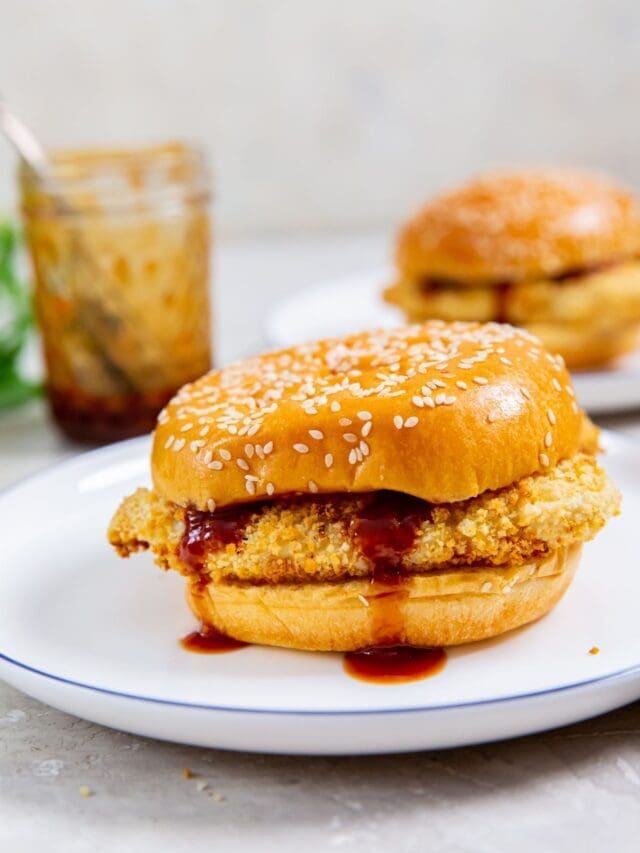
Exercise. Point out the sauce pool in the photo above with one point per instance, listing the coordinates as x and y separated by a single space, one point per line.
206 641
394 664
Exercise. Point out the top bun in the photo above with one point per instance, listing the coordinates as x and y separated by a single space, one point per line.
515 225
440 411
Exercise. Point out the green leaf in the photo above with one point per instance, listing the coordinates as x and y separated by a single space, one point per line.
15 321
14 390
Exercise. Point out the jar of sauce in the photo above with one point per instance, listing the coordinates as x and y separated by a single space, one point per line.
119 242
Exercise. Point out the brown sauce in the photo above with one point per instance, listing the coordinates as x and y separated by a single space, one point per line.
394 664
385 530
212 531
207 641
98 420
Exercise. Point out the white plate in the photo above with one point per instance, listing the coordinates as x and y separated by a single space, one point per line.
97 637
353 303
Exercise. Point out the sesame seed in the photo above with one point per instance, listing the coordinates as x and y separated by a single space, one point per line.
366 429
178 445
574 407
411 422
487 586
548 439
350 437
345 422
525 393
353 456
556 384
544 460
317 434
259 451
506 589
397 421
462 385
242 463
428 401
204 431
363 600
335 406
552 417
364 448
313 487
418 401
186 427
328 460
438 383
364 416
440 398
211 505
169 442
253 429
268 447
215 465
448 401
270 489
251 477
505 360
250 486
207 457
480 380
301 448
225 454
194 446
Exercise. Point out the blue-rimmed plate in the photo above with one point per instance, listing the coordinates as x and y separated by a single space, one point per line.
354 302
98 637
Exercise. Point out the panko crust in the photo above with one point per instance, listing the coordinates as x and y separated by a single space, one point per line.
515 225
299 542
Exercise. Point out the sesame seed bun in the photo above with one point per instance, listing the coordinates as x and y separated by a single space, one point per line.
518 225
439 411
435 609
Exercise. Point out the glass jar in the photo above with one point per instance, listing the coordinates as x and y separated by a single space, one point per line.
119 242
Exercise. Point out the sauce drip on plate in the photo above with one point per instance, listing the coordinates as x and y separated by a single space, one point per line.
207 641
394 664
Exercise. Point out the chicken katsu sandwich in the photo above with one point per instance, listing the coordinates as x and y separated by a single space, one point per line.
555 251
430 485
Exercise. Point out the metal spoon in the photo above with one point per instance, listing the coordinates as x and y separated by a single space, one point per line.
97 321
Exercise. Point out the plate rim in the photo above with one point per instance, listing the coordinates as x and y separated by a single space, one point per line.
621 675
610 438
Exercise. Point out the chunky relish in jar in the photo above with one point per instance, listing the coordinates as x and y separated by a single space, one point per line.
120 247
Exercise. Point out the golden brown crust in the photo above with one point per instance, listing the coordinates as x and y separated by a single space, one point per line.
517 225
589 320
432 610
421 410
288 542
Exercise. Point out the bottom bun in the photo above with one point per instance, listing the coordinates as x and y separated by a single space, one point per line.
442 608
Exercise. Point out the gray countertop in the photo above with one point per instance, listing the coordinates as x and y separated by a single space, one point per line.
576 786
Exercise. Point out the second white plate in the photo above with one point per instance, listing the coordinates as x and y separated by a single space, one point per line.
353 303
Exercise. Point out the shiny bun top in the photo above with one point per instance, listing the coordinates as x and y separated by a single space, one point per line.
440 411
518 225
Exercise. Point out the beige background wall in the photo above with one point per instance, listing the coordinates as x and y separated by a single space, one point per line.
335 113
